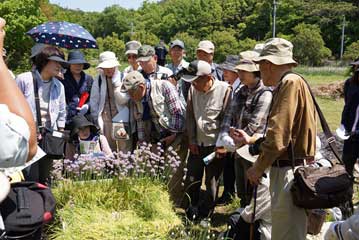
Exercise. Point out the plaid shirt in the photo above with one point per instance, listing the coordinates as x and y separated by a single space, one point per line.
242 114
151 130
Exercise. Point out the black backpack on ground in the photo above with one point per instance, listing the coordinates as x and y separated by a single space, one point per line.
27 208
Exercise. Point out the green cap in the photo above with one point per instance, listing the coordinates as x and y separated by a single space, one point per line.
145 53
277 51
132 80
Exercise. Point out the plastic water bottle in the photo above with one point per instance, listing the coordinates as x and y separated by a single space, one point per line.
208 159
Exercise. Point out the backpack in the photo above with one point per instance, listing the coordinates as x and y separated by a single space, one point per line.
27 208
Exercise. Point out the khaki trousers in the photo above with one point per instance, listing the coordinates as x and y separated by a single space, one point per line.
288 221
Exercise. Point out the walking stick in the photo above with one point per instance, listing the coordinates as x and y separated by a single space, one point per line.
251 230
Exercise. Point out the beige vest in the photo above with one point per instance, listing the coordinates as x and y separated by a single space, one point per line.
208 112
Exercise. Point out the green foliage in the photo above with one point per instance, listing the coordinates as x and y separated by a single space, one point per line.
246 44
352 51
112 43
225 43
21 16
240 20
309 47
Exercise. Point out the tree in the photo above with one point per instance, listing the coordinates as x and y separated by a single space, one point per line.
112 43
225 44
352 51
246 44
309 46
21 16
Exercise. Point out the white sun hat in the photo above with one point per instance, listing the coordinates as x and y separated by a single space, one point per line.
108 59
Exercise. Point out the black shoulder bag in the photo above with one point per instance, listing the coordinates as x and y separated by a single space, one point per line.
52 142
321 187
26 209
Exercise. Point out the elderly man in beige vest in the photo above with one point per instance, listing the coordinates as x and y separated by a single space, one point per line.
291 121
159 116
207 100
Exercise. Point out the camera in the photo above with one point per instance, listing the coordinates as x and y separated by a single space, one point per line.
179 74
254 149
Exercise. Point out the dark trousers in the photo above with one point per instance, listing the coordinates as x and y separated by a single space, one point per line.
244 189
240 229
351 153
229 176
193 182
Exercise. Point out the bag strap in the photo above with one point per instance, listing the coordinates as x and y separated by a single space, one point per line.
328 134
37 102
255 99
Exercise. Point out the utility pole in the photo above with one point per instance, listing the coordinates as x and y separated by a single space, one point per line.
132 29
274 16
342 42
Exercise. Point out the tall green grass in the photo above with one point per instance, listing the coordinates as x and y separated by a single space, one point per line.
136 208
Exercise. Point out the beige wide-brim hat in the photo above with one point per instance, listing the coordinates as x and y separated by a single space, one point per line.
277 51
244 153
247 65
108 60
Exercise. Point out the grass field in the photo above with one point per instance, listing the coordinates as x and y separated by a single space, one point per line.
322 75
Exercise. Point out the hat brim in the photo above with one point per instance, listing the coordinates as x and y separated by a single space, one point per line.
59 60
354 63
177 45
189 78
131 52
78 61
76 129
244 153
205 50
109 64
247 67
144 59
228 67
275 60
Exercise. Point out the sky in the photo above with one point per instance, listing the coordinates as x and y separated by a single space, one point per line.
97 5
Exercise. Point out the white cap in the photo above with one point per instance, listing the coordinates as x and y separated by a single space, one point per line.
206 46
108 60
196 69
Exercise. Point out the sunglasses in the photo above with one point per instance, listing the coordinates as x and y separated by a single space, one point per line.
131 56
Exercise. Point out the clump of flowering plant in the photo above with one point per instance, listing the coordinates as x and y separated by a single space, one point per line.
146 161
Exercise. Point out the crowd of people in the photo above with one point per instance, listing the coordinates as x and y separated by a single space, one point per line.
208 113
